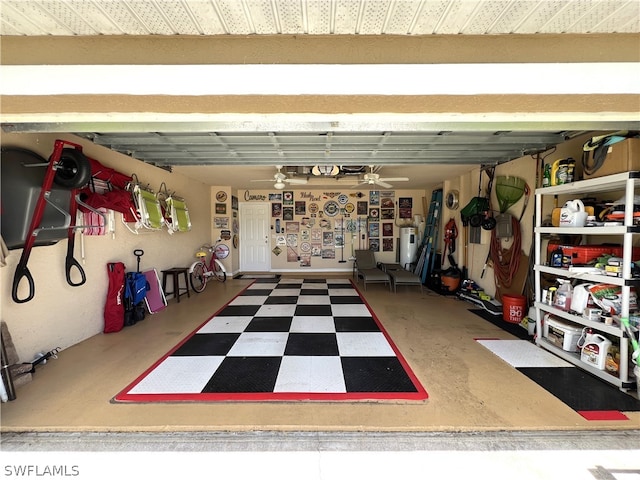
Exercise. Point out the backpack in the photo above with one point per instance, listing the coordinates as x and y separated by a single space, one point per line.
136 287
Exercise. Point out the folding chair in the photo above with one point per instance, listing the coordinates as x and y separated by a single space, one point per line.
404 277
179 220
367 269
148 209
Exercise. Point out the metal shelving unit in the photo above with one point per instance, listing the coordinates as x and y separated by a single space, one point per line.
625 182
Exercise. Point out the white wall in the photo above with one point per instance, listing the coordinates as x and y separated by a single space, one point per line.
61 315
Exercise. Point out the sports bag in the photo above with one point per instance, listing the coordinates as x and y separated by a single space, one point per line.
136 287
114 305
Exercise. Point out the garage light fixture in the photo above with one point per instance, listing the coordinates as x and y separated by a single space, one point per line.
328 170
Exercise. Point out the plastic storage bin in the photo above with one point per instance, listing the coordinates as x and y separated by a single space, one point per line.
563 335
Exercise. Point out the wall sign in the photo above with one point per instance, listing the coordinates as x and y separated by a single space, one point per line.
255 197
276 209
221 196
221 208
221 222
310 196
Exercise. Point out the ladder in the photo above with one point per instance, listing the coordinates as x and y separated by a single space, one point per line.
430 238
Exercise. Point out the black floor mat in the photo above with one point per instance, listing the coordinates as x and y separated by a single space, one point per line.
512 328
267 277
580 390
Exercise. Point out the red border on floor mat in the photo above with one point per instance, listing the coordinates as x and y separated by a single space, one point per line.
603 415
419 394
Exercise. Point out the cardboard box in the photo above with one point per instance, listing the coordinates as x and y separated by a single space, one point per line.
621 157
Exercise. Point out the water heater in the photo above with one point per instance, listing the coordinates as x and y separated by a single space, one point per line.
408 246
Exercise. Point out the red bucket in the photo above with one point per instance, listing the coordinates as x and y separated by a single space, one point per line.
513 308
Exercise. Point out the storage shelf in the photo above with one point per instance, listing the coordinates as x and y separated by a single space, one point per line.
589 277
609 183
574 359
614 230
614 330
628 182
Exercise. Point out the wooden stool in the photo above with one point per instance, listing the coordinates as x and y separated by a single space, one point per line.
175 272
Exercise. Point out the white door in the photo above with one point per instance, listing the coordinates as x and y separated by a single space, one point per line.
255 232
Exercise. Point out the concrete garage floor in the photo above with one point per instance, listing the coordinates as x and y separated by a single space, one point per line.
477 402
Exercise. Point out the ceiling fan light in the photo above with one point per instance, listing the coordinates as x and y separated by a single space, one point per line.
279 185
328 170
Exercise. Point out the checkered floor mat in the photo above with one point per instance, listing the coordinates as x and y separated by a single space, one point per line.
291 339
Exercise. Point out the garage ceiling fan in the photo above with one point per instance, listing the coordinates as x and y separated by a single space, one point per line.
373 178
281 179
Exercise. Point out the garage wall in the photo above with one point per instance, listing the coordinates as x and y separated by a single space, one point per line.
61 315
304 219
467 185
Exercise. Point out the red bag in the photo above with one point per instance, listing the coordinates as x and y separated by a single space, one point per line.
116 179
114 307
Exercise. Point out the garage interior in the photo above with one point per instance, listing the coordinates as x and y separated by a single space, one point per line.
75 71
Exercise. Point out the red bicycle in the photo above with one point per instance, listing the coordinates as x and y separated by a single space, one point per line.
200 272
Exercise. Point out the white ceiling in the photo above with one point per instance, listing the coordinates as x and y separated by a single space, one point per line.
316 17
426 153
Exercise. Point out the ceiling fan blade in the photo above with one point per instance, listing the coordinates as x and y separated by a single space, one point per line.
383 184
263 180
296 181
397 179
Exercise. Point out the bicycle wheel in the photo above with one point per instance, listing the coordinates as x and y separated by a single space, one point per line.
218 272
197 278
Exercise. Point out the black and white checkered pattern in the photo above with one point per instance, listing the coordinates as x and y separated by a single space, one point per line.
284 339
